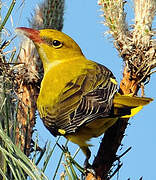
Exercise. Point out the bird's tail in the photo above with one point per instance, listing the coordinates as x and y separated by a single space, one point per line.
127 106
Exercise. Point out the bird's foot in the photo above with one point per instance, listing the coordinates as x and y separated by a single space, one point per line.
88 168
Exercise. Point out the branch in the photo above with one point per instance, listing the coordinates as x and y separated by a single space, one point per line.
28 88
144 15
113 12
49 14
138 50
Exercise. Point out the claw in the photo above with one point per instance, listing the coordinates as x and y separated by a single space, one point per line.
90 169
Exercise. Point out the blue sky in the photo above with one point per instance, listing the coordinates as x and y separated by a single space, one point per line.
82 22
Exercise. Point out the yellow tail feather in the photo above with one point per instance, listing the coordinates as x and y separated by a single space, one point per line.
134 103
130 101
134 111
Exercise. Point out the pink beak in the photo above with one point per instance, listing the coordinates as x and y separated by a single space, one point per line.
33 34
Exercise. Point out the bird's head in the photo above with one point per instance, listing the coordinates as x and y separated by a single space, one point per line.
52 45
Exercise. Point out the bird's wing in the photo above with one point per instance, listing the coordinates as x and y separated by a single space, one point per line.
83 100
89 98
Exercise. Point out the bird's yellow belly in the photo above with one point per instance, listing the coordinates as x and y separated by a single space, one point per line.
90 130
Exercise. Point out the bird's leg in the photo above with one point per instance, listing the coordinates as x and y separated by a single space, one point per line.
88 154
88 167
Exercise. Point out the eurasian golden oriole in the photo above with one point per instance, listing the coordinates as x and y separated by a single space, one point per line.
78 98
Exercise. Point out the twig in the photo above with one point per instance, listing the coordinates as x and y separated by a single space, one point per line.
8 14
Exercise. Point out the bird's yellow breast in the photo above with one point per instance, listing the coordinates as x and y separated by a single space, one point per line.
55 83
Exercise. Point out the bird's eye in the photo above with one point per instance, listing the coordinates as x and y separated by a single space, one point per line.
56 44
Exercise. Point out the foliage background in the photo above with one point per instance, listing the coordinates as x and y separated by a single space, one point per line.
82 22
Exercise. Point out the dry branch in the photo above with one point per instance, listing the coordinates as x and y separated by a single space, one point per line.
138 50
49 14
28 82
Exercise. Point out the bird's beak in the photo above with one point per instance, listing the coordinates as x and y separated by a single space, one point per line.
32 34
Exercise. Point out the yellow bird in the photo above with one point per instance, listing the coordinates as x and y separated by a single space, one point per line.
78 98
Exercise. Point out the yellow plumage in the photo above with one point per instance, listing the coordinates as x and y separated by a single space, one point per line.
78 98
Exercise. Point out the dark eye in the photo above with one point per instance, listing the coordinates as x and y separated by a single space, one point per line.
56 44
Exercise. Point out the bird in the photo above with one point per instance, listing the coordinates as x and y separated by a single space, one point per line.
78 98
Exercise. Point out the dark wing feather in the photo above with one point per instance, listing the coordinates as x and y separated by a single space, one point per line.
94 105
